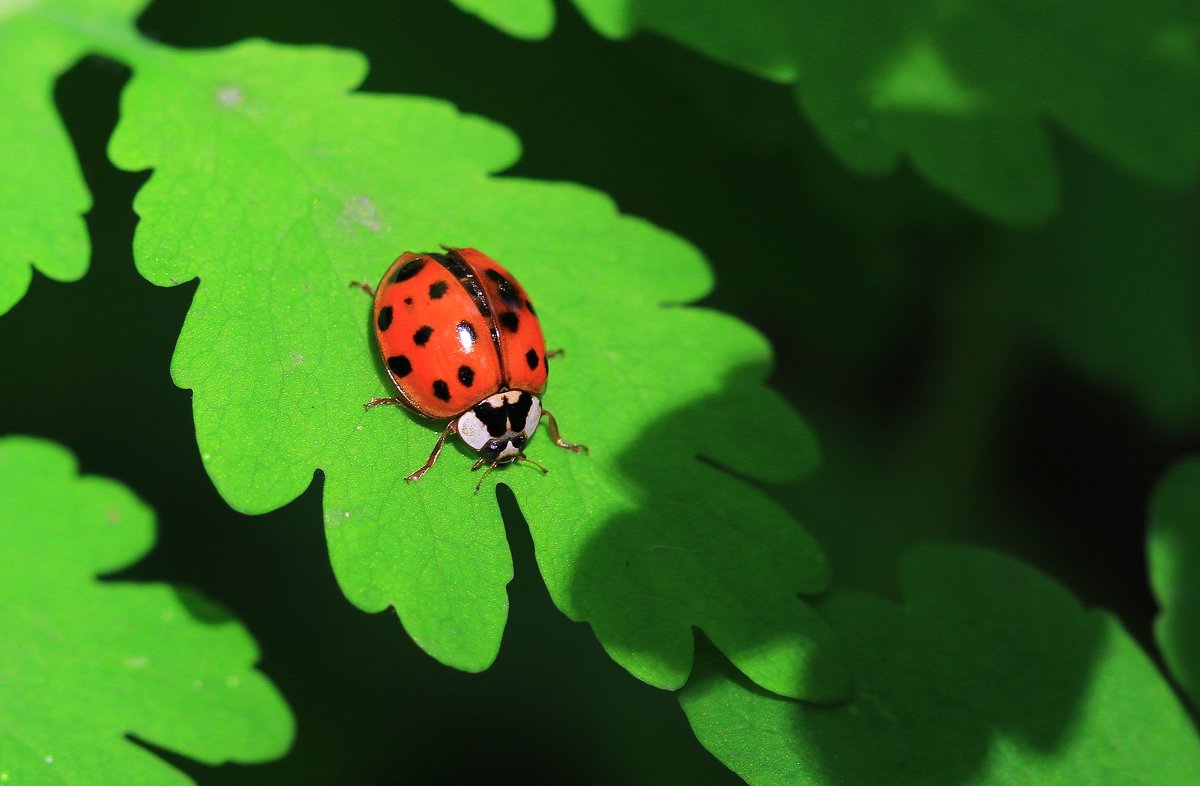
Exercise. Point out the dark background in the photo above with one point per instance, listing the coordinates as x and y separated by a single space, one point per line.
897 321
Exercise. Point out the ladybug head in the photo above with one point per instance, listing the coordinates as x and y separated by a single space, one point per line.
500 426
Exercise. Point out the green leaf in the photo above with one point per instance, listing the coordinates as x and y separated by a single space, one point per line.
530 19
1174 562
42 193
990 674
86 662
1112 285
277 188
963 91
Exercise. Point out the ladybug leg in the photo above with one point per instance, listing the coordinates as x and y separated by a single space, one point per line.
364 287
527 460
558 440
478 463
377 401
451 428
491 467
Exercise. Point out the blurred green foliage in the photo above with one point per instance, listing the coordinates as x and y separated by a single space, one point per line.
962 90
1174 555
1016 389
988 674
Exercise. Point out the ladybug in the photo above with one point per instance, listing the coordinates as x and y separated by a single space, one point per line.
461 340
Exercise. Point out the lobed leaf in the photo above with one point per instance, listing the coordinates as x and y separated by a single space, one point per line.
277 186
962 91
989 674
87 662
1173 551
531 19
42 193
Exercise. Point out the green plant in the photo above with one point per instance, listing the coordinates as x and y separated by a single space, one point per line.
89 661
908 329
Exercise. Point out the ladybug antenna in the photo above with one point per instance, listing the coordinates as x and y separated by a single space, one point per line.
527 460
491 467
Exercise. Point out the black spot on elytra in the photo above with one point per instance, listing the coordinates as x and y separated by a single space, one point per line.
399 366
441 390
531 357
408 301
466 375
529 306
437 289
422 335
384 320
508 293
495 418
408 270
510 321
468 329
519 411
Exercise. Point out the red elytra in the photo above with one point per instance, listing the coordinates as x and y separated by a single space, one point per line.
460 338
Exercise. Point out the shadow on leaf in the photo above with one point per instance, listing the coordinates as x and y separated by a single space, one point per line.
200 608
702 548
990 673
